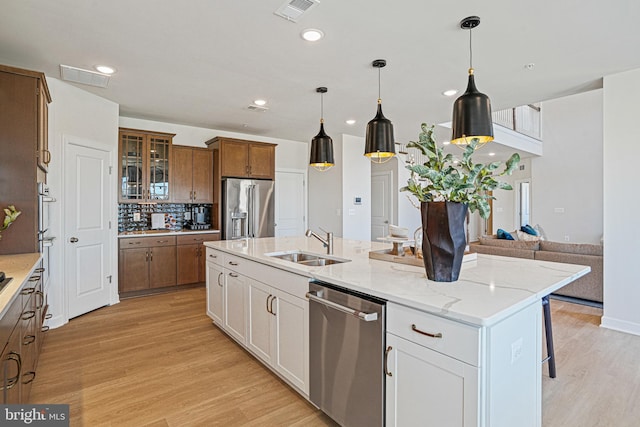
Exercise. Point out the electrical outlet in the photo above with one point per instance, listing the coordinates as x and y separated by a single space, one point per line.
136 216
566 238
516 350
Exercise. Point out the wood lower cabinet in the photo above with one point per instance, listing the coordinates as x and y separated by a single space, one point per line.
192 175
191 262
24 97
147 263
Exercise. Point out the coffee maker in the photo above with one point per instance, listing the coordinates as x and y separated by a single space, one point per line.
200 217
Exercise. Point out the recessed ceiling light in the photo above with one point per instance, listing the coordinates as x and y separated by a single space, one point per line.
351 122
260 102
312 35
105 69
530 66
450 92
492 154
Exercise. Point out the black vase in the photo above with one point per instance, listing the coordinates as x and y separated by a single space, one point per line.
443 239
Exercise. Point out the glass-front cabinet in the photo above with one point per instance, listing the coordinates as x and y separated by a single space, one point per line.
144 166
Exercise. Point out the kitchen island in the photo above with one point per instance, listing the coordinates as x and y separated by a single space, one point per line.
483 370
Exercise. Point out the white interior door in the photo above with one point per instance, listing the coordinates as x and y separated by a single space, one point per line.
381 204
87 245
291 195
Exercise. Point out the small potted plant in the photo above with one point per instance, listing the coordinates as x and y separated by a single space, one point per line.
10 215
446 188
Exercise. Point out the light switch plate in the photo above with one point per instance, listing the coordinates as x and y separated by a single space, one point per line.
136 216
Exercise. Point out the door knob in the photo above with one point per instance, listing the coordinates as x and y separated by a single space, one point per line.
386 222
73 239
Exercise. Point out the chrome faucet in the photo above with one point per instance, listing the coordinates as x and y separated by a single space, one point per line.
327 243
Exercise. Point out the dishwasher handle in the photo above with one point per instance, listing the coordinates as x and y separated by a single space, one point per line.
367 317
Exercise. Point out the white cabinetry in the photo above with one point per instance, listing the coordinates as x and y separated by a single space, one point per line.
429 379
263 308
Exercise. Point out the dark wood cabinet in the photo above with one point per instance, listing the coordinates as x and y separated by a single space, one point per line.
192 175
24 97
237 158
191 257
145 166
146 263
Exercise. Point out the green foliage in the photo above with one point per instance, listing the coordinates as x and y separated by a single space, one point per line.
440 179
10 215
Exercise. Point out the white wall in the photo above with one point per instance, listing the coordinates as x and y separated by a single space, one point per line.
356 176
569 175
74 112
621 204
289 154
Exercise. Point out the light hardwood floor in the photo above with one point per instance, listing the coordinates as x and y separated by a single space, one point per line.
159 361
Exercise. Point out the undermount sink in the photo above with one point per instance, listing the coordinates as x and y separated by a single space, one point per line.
307 258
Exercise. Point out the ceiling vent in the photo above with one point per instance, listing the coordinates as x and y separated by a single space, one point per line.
85 77
258 108
292 10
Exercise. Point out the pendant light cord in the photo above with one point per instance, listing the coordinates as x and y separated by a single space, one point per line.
322 108
470 50
379 97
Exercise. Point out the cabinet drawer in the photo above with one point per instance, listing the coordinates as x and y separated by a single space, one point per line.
455 339
147 242
215 257
191 239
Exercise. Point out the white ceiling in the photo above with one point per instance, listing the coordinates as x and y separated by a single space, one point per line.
202 63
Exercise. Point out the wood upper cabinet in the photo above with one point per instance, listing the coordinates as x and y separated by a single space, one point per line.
145 166
245 159
192 175
24 157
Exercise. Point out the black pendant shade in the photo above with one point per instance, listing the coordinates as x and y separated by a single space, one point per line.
321 157
379 142
321 151
472 110
472 116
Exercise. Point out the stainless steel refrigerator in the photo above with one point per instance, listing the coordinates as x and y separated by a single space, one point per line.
247 208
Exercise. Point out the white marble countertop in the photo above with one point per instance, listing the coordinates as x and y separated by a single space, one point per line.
489 289
20 267
145 233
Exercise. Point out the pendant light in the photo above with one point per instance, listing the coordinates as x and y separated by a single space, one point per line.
321 145
472 110
379 142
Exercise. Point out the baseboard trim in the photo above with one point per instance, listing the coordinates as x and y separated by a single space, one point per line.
620 325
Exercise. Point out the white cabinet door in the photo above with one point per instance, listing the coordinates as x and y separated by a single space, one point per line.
427 388
234 305
291 354
215 292
260 336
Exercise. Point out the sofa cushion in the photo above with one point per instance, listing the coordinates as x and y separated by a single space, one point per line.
571 248
500 251
512 244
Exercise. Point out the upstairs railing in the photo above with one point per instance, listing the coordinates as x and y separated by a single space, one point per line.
524 119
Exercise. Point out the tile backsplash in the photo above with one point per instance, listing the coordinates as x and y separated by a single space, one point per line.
127 211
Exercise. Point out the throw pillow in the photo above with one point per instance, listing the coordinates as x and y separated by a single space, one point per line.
529 230
504 235
527 237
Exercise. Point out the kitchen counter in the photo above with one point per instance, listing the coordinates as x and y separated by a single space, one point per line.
489 289
20 267
143 233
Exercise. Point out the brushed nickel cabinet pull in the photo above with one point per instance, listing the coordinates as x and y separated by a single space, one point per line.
29 314
11 382
233 275
233 263
41 295
386 359
213 256
45 329
39 270
219 276
48 316
28 339
27 291
151 255
271 306
134 243
194 196
147 256
190 195
269 297
436 335
33 377
34 278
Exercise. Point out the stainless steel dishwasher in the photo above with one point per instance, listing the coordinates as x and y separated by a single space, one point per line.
346 354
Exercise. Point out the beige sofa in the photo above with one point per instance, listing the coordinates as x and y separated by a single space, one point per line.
588 287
